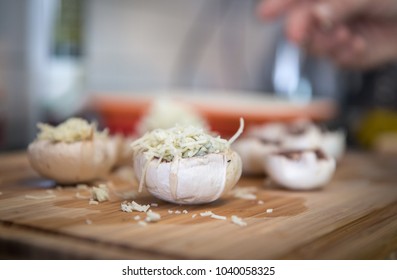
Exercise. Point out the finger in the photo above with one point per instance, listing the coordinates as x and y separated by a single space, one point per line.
322 43
330 13
353 54
299 24
319 43
269 9
343 34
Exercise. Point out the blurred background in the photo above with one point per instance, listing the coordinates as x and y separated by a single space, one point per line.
105 59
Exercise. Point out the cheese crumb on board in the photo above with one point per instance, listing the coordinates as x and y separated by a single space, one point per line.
82 187
260 202
206 213
185 212
170 211
245 193
137 218
142 223
93 202
133 206
177 212
152 216
154 204
194 216
39 197
270 210
238 221
80 196
100 193
218 217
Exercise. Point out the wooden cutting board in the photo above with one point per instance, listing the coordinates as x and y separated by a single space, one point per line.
354 217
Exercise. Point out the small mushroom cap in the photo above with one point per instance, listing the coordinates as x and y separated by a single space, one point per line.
272 132
193 180
253 153
308 138
334 144
69 163
301 171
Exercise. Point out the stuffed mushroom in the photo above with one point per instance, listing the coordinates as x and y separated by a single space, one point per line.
186 165
72 152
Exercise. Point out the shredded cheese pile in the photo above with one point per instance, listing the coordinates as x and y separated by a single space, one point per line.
72 130
181 142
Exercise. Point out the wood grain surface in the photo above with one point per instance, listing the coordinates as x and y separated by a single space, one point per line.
354 217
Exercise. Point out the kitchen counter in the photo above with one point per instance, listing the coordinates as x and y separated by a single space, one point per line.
354 217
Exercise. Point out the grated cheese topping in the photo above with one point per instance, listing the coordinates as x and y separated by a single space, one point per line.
270 210
181 142
72 130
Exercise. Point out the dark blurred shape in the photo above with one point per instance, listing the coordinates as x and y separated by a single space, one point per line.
372 109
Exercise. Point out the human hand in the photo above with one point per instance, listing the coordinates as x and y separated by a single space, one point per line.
354 33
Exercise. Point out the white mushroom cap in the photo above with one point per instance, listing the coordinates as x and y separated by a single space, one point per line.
298 135
303 170
307 137
272 132
74 162
253 153
194 180
334 144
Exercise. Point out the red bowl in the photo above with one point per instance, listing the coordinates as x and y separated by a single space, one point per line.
222 110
